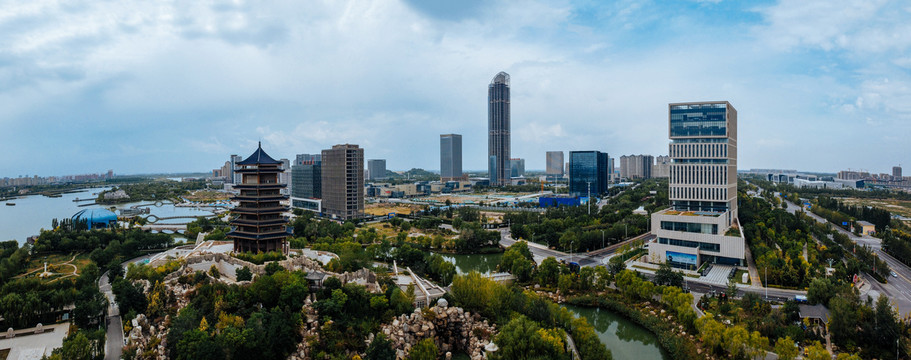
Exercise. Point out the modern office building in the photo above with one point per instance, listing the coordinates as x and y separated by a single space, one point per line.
498 126
662 167
636 166
343 181
517 168
554 169
450 157
258 223
897 173
285 177
376 169
588 170
306 182
701 224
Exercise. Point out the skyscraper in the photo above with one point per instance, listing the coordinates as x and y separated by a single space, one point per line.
636 166
897 173
377 169
516 167
498 129
450 157
343 181
588 170
702 189
258 224
306 182
554 168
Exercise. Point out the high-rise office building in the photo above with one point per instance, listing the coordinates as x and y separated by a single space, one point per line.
516 167
554 168
306 182
450 157
343 181
258 224
498 126
897 173
377 169
701 224
588 170
636 166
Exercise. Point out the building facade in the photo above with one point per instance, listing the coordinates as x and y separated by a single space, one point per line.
701 224
636 166
517 168
588 168
306 182
498 127
662 168
258 223
450 157
897 173
376 169
554 169
343 182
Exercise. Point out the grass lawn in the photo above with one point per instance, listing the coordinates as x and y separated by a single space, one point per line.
739 276
56 263
900 207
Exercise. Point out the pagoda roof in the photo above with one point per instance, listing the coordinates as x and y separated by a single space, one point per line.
259 157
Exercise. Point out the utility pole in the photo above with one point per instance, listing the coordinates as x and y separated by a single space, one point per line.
602 239
767 283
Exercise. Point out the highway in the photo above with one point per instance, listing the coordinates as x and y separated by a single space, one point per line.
600 256
898 288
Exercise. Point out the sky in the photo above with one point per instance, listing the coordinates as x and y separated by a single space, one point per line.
178 86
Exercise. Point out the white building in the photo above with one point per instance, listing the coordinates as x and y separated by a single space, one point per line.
701 224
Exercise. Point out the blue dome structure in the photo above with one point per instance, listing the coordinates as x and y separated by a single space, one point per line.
96 218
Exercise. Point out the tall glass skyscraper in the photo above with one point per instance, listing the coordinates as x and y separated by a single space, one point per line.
701 224
498 129
554 165
450 157
588 168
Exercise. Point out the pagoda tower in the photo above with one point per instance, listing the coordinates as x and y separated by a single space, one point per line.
258 223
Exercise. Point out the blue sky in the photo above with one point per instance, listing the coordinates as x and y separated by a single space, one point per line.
171 86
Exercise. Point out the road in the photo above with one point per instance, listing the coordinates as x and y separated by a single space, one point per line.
898 288
114 343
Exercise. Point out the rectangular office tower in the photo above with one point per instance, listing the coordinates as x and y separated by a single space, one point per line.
588 170
701 224
306 182
498 127
554 168
343 182
450 157
377 169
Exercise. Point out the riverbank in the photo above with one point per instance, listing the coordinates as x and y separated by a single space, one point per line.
672 336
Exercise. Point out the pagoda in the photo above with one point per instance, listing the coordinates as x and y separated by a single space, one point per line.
258 224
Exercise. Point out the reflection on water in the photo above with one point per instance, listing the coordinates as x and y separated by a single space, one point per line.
482 263
625 339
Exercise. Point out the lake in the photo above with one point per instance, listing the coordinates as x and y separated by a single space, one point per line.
34 212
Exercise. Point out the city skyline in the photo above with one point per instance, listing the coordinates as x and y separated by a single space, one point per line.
806 75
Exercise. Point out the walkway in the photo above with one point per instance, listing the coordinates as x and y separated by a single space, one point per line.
718 274
114 342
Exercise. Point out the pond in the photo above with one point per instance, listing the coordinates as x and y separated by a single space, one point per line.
625 339
482 263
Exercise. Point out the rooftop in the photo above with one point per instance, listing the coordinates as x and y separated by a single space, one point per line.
259 157
689 213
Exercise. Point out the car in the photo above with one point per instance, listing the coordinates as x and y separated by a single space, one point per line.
893 274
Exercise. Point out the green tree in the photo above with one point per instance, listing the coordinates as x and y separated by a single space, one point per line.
380 349
424 350
817 351
820 291
785 348
243 274
522 338
548 272
667 276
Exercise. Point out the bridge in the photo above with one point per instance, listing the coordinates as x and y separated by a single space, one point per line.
157 218
177 228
